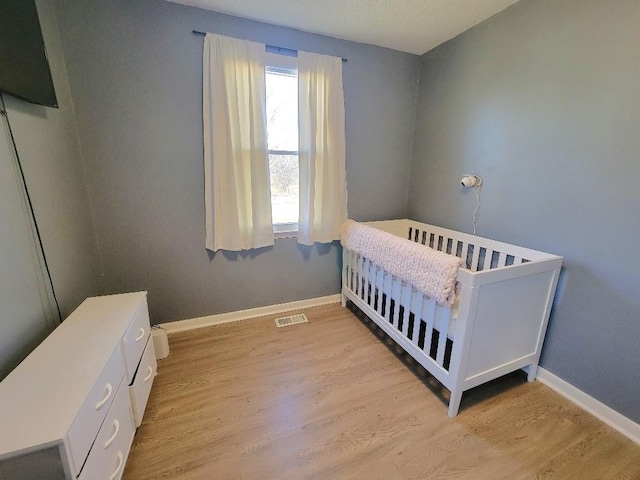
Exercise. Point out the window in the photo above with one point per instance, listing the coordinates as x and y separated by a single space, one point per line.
250 166
281 84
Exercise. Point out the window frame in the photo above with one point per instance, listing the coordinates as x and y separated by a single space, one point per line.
286 63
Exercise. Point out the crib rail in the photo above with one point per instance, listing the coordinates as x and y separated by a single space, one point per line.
476 257
479 254
422 326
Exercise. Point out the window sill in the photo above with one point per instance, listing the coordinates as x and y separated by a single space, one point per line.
285 230
293 234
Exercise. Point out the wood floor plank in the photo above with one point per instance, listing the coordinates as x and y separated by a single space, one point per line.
336 398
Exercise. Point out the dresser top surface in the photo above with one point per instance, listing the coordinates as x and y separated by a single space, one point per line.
40 398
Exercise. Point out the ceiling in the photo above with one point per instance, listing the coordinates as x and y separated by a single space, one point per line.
414 26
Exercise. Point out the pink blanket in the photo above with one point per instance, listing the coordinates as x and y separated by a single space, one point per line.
430 271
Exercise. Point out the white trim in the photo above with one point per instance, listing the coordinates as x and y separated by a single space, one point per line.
615 420
285 230
210 320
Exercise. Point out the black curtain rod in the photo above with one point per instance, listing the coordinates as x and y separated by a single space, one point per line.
270 48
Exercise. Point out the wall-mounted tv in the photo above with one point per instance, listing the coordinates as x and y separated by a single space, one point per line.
24 68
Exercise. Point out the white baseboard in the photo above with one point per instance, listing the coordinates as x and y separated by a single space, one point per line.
210 320
598 409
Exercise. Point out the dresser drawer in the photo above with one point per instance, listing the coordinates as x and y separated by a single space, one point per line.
88 420
109 452
134 341
141 386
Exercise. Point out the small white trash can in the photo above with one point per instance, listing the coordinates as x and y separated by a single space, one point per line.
160 341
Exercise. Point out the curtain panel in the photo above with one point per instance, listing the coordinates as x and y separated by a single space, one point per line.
236 165
237 190
323 185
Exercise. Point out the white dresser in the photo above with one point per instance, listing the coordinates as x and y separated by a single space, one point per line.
70 409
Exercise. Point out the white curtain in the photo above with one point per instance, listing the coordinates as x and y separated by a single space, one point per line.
323 188
237 192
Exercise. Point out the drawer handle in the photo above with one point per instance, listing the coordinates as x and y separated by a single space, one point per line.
150 370
139 337
116 424
120 462
108 388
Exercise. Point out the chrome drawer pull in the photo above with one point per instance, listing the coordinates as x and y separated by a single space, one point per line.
139 337
120 462
108 388
116 424
150 370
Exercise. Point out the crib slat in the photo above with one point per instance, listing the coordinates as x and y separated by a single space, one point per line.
354 272
356 267
417 317
357 262
407 291
371 290
360 279
475 258
430 318
365 279
396 291
346 267
388 279
426 238
363 276
349 267
374 285
365 283
464 252
502 259
488 258
379 289
442 339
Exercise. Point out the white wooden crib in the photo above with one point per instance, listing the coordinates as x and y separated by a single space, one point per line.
497 324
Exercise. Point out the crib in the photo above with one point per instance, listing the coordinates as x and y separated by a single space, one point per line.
496 325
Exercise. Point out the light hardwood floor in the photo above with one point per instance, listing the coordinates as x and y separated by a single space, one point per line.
335 399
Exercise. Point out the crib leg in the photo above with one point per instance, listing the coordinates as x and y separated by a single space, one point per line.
533 371
343 299
454 402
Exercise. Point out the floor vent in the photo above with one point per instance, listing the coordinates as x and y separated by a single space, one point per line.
291 320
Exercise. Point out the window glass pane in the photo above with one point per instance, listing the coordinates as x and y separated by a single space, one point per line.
285 180
282 109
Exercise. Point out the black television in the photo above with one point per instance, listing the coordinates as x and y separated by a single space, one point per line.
24 67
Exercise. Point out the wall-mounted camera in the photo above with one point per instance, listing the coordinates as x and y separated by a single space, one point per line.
471 181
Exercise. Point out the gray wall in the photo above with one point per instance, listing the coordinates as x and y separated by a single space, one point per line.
135 71
48 147
543 101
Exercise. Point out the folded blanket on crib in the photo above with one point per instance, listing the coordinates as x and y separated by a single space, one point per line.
430 271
